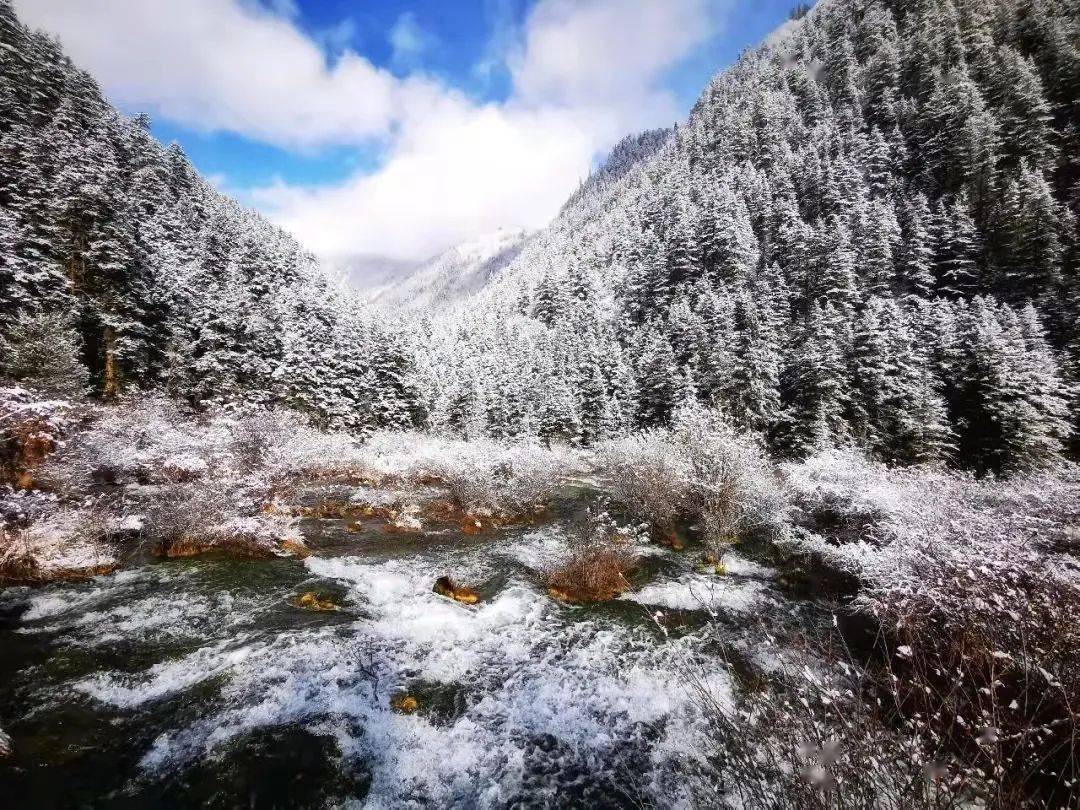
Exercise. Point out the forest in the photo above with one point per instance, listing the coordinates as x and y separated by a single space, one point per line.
750 481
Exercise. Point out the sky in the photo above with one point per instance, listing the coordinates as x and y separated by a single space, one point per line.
398 128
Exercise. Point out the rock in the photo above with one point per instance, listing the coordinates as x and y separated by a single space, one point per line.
472 525
295 547
5 744
444 586
404 704
673 541
312 601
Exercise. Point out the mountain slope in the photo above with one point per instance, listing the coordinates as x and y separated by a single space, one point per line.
454 274
866 232
163 282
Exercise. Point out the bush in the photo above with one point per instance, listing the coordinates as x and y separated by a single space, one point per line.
701 470
815 735
595 565
649 478
976 588
736 492
484 476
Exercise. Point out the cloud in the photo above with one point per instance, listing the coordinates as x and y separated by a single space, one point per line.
584 72
408 40
224 65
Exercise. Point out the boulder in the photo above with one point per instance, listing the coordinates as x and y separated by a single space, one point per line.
444 586
312 601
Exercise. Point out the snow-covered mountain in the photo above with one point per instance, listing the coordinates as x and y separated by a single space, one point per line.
454 274
865 232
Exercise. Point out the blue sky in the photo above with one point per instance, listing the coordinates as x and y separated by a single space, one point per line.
397 127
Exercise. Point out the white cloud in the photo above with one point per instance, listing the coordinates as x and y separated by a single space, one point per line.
220 64
408 40
584 73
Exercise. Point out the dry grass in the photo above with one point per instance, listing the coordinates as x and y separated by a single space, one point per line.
595 565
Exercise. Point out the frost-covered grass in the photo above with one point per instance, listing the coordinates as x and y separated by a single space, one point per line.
976 587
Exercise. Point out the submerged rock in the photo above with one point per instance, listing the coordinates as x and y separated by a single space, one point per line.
404 704
444 586
312 601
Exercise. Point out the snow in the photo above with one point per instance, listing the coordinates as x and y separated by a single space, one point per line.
455 274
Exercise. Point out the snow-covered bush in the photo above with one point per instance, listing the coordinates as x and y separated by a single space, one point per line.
736 490
484 476
700 469
976 586
811 736
140 440
649 477
30 429
66 543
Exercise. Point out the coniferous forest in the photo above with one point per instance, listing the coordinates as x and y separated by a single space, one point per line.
750 481
866 232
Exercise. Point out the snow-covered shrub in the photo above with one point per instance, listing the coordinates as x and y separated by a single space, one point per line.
811 736
136 441
648 477
259 434
30 429
976 586
484 476
736 490
201 515
700 469
66 543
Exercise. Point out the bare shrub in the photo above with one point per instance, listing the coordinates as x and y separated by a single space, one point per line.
987 665
595 565
648 477
816 734
976 587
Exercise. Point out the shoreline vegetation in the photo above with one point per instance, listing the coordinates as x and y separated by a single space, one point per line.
966 591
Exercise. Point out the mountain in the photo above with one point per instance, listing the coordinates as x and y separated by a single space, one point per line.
454 274
371 275
865 233
115 246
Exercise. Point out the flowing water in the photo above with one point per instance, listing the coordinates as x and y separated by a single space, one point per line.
199 682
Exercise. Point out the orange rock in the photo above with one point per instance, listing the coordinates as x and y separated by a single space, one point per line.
297 548
312 601
405 704
444 586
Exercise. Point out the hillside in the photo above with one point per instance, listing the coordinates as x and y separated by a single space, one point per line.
865 232
454 274
115 247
